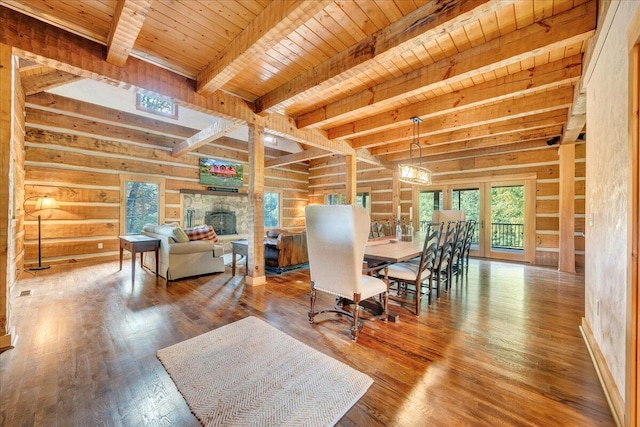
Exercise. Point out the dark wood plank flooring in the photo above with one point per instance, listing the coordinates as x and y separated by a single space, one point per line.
501 348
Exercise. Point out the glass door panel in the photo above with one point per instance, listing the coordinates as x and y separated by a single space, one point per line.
430 201
506 221
468 199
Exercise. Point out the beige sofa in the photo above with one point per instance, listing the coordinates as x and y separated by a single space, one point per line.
178 260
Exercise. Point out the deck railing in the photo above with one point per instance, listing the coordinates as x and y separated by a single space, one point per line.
507 236
503 235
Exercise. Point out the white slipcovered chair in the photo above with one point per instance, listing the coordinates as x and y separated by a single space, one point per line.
336 240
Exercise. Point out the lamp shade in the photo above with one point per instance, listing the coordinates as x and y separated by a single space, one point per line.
46 202
414 174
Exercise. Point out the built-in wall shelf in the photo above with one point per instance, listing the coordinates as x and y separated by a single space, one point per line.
212 193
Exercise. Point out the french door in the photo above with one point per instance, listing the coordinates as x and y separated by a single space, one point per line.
504 211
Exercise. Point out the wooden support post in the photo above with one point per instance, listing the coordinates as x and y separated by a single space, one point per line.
567 256
7 87
395 193
255 259
351 180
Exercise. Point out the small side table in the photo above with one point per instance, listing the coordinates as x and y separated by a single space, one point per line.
138 243
239 247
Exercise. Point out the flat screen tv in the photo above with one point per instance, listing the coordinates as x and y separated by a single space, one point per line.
217 173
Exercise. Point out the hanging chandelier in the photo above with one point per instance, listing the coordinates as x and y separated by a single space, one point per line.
410 172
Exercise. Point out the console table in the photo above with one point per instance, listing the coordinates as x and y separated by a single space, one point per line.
138 243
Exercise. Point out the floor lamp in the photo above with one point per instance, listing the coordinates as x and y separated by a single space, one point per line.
44 202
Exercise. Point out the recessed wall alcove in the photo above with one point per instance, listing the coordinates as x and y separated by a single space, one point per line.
196 205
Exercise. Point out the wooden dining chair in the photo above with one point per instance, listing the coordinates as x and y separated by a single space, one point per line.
471 228
336 240
457 248
443 257
416 278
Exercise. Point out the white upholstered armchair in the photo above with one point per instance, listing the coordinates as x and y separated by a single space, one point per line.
336 240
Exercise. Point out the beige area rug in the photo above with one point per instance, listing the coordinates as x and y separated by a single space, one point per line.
249 373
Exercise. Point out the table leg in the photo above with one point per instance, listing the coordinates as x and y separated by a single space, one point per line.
133 266
156 266
233 263
120 257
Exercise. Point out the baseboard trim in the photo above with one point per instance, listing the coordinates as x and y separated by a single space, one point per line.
8 341
616 404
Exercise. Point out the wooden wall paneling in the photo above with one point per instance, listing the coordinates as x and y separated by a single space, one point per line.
547 206
71 229
100 162
53 249
71 194
82 143
74 108
37 172
52 120
548 189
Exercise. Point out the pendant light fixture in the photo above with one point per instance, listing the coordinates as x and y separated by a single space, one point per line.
410 172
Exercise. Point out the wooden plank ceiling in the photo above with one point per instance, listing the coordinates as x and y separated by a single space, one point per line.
485 76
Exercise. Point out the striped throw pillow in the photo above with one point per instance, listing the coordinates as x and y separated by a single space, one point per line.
201 232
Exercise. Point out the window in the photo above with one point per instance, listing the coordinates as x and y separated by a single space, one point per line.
156 105
271 209
363 198
142 202
336 199
430 201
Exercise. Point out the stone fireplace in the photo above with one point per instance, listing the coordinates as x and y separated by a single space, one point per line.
227 213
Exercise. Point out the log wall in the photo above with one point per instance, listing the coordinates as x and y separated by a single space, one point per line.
76 152
11 188
326 175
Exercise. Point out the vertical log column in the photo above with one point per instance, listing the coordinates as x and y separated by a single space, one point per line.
255 259
351 180
567 255
395 194
6 193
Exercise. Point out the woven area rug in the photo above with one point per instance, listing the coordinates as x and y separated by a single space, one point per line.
248 373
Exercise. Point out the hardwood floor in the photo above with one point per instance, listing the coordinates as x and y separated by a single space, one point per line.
500 348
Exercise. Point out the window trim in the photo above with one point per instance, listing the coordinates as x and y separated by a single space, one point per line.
124 178
280 195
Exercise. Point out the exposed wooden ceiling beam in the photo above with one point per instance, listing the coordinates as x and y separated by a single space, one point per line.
268 28
40 82
506 128
48 45
530 104
431 161
125 27
557 73
577 116
455 148
206 135
284 126
416 28
564 29
312 153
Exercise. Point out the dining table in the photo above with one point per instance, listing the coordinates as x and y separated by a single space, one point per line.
384 251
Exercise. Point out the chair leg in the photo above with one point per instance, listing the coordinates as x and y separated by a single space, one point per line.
418 298
312 311
356 317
